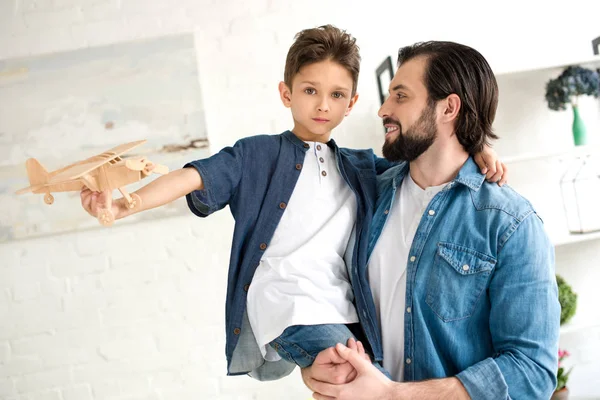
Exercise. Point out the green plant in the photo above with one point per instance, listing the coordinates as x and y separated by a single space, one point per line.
561 376
567 299
573 82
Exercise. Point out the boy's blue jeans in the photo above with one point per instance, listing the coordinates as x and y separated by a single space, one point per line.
300 344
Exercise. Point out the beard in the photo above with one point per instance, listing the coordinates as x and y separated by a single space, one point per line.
409 145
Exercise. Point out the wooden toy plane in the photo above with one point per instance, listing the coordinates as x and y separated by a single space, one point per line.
104 172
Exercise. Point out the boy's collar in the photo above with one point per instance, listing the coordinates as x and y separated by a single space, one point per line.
300 143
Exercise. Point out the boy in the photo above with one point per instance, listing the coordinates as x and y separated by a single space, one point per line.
296 199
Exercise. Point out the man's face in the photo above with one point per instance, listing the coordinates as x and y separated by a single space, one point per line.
409 119
320 98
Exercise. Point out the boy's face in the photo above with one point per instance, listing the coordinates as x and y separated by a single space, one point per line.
320 97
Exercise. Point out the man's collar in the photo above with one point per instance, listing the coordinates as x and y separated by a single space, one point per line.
469 175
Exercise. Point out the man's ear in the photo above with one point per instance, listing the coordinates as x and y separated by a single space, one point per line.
452 105
351 105
286 94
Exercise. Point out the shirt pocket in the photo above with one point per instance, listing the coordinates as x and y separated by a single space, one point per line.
457 281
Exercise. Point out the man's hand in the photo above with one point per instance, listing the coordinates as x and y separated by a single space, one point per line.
368 382
494 169
329 367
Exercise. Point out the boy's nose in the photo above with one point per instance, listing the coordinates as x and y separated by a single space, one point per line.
323 105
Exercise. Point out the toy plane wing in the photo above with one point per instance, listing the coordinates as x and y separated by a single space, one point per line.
78 170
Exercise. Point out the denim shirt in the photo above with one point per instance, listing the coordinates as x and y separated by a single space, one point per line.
481 289
256 177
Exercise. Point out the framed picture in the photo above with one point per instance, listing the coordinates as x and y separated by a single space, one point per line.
385 74
64 107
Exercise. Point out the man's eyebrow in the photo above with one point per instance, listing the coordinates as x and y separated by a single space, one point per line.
399 87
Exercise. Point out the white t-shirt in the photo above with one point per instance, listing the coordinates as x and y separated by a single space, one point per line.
302 278
387 269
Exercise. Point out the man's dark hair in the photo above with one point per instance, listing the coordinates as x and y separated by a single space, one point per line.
459 69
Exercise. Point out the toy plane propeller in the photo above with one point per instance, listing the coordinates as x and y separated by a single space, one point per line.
104 172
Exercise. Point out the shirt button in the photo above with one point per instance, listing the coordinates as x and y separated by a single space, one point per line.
408 360
408 310
386 212
282 205
237 331
306 145
321 159
246 287
431 212
263 246
413 258
324 173
298 167
318 147
465 267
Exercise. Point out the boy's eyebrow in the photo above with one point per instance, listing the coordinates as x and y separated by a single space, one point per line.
342 88
336 88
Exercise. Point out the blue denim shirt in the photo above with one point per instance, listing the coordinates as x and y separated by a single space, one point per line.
482 290
255 177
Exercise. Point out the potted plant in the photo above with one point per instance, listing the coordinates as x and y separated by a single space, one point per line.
567 299
561 392
573 82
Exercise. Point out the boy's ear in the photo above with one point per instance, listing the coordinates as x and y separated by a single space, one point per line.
352 103
286 94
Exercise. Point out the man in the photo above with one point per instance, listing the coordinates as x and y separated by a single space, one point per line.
465 292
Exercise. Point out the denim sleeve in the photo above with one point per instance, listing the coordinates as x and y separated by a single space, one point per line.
524 321
221 174
382 164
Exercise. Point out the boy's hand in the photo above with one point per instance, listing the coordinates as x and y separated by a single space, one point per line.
93 202
494 169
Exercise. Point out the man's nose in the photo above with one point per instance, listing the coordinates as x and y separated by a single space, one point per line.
384 109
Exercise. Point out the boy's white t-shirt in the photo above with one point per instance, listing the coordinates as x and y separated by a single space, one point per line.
387 269
302 277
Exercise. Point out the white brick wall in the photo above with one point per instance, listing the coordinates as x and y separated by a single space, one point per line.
137 312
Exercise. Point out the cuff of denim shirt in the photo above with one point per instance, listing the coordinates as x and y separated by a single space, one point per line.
199 201
484 380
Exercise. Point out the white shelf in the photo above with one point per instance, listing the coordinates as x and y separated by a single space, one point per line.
591 62
574 152
574 238
570 327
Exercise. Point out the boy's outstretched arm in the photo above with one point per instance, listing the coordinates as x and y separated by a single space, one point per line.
160 191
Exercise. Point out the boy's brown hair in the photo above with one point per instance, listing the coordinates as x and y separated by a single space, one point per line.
319 44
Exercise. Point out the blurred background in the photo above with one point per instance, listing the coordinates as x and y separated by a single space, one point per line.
136 311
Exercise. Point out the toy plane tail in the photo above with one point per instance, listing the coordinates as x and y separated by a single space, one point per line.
38 176
36 172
